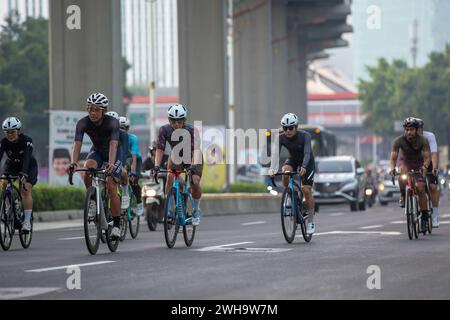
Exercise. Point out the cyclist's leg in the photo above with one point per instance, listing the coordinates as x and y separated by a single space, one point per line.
7 169
196 192
307 183
289 165
403 169
137 188
434 191
93 161
27 195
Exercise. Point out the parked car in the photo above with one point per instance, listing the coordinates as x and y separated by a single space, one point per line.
387 192
340 180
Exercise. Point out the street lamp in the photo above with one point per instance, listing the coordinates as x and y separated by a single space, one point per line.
151 74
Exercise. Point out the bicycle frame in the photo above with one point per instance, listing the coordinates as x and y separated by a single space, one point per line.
177 184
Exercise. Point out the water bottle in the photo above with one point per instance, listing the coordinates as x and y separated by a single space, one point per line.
17 205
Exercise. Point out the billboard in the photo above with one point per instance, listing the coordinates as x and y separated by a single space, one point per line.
61 138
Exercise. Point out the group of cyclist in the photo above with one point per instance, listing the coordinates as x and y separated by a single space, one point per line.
117 151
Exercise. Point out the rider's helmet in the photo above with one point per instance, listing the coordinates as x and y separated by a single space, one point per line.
410 122
11 123
177 111
124 122
289 119
420 123
113 114
98 99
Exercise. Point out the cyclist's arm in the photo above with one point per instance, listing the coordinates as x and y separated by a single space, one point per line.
394 154
433 150
160 146
114 142
27 156
426 154
76 148
133 163
307 150
197 154
2 151
158 157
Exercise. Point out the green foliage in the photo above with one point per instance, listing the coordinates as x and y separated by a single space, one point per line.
395 92
52 198
248 187
24 85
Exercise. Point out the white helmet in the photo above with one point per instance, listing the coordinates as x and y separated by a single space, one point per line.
177 111
12 123
113 114
124 122
98 99
289 119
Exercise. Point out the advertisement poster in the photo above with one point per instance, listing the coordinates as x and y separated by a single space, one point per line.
213 146
61 138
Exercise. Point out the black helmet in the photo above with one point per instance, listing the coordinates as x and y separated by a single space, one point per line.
419 123
410 122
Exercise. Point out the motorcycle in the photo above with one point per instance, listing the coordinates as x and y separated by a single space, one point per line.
153 198
370 194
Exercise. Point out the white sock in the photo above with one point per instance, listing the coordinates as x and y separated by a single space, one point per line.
124 190
436 212
196 203
27 214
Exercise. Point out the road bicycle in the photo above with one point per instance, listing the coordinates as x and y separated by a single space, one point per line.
12 215
293 209
97 218
178 210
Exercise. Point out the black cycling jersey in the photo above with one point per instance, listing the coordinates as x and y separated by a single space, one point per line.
411 151
19 153
165 135
100 135
299 147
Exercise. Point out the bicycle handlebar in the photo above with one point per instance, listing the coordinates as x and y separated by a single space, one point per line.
287 173
165 171
92 171
12 179
410 172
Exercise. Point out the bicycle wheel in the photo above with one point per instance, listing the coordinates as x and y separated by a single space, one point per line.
188 229
133 219
430 221
409 217
415 217
6 223
113 243
288 216
123 224
152 217
92 228
25 238
304 222
171 226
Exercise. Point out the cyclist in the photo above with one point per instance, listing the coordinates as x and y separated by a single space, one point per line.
177 114
20 162
416 156
104 133
301 158
433 168
135 164
125 147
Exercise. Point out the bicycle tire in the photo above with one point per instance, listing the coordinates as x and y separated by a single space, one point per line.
152 218
133 219
307 237
409 216
171 224
6 223
291 218
415 217
189 229
113 243
123 225
430 221
25 238
91 223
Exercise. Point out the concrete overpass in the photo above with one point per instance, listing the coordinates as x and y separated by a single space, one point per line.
274 40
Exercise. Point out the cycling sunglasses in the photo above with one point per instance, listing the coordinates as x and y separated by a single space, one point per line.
289 128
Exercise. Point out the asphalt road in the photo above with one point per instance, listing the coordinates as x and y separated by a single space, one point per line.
240 257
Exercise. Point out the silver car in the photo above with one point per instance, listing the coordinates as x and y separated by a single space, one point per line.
339 180
387 192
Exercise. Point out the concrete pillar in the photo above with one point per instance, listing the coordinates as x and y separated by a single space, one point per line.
202 54
297 97
253 64
85 60
280 66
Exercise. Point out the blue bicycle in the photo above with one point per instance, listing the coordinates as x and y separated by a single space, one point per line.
178 210
293 209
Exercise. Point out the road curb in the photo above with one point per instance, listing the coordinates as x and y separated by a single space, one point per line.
211 205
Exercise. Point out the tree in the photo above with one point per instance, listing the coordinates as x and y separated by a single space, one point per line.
395 92
24 76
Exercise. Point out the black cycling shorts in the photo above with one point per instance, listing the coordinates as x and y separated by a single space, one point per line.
308 178
13 169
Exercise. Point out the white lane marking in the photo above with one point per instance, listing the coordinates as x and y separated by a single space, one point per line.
229 248
212 248
252 223
398 222
445 215
337 214
444 222
70 265
372 227
75 238
387 233
18 293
